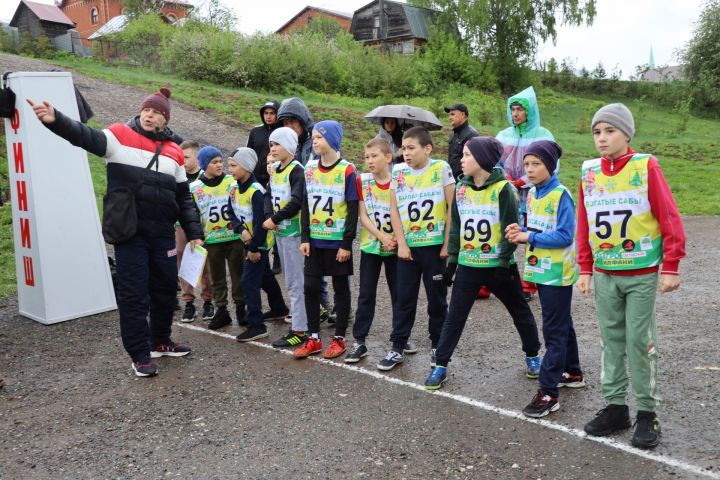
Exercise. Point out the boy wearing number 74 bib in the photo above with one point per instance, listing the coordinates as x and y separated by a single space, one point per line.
628 224
420 194
329 219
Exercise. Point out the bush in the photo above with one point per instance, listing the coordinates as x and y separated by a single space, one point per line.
143 39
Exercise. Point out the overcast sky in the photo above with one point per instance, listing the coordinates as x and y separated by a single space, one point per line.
621 35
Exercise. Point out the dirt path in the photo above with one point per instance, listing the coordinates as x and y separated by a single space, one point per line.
113 103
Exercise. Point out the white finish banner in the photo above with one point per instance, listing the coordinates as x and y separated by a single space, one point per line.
60 256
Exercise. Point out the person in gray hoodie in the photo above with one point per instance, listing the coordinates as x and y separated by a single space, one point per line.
293 113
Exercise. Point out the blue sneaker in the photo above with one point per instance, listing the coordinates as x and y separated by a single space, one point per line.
533 367
437 377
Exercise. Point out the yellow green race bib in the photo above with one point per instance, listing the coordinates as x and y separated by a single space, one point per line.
547 266
377 204
242 208
624 234
421 203
281 194
326 200
480 227
213 205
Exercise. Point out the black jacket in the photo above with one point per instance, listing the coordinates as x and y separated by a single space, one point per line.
259 140
456 142
163 196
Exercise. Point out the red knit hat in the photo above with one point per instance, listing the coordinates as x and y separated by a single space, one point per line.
159 101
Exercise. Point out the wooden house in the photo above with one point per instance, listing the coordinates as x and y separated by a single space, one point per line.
310 13
392 25
35 19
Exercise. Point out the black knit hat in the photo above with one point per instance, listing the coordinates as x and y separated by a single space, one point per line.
486 151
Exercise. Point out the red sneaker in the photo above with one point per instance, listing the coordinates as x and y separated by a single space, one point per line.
337 347
483 293
309 347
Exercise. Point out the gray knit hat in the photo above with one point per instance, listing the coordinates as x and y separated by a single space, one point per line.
286 138
246 158
617 115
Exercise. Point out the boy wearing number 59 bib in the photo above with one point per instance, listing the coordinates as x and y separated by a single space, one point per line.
628 225
485 204
210 192
420 194
329 222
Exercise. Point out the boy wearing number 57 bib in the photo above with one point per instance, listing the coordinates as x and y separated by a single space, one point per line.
329 222
485 204
628 225
210 192
550 263
420 194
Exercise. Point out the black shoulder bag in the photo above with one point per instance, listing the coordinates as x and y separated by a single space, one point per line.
120 211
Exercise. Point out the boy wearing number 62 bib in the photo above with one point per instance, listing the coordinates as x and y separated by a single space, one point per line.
485 204
420 195
329 222
628 224
210 192
550 263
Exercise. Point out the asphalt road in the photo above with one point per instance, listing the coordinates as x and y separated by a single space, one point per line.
73 409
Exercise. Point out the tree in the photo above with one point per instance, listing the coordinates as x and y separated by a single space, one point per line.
325 27
702 59
506 33
137 8
215 13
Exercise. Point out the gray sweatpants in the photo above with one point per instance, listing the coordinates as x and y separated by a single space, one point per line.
293 265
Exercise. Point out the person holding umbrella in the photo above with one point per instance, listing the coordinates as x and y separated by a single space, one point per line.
391 131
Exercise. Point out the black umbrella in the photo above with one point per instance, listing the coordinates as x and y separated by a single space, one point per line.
406 115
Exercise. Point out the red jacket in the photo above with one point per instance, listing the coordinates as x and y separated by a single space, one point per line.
663 207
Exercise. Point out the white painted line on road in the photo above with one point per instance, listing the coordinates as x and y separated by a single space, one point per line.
712 369
514 414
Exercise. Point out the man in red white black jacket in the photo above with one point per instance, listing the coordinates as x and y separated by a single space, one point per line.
146 264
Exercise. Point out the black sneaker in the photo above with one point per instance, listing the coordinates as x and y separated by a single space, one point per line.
276 266
570 380
410 347
252 333
541 405
292 339
647 430
332 318
145 368
240 315
270 315
208 310
220 319
169 349
189 313
392 359
358 351
608 420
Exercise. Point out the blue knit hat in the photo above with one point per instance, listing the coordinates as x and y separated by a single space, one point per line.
206 154
332 132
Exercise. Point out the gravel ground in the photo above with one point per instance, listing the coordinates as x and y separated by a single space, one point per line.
71 407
